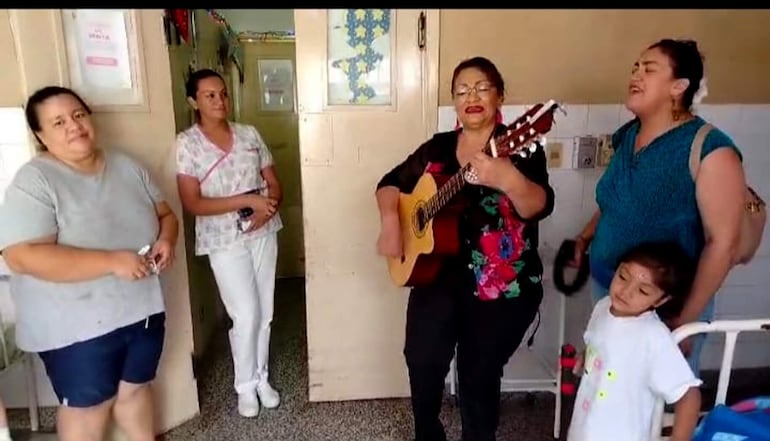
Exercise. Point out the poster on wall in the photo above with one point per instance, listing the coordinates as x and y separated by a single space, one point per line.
103 55
276 82
103 45
360 42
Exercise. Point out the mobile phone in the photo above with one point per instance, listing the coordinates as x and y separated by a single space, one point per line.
153 265
245 212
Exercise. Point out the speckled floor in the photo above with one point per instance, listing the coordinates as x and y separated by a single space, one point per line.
522 418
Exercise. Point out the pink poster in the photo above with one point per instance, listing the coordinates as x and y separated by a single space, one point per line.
103 49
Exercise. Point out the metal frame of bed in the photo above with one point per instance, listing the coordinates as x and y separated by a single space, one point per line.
731 329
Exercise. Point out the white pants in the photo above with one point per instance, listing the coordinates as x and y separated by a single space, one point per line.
245 275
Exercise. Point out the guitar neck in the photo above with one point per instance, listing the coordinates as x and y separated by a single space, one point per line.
445 193
524 130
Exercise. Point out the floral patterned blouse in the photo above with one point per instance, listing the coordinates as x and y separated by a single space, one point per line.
223 174
498 246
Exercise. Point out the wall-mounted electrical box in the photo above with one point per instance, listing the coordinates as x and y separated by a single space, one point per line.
605 151
585 152
554 152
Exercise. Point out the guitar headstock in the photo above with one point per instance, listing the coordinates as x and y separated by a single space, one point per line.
522 135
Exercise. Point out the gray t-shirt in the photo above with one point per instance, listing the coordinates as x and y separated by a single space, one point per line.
113 210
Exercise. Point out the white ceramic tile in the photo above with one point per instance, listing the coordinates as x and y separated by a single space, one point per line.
726 117
742 302
12 157
754 146
603 119
754 119
567 186
446 118
13 126
511 112
625 115
574 123
561 224
754 274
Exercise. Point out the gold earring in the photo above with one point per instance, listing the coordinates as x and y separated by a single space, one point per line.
674 110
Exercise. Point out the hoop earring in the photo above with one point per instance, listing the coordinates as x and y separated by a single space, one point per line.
675 113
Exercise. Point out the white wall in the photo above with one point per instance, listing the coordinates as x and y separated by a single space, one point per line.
745 293
259 20
15 150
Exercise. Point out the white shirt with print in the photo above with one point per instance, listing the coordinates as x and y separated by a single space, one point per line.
629 363
223 174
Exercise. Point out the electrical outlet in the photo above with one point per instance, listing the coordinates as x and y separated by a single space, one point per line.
605 151
554 154
585 153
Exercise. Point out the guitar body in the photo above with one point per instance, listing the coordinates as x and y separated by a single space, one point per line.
424 248
431 235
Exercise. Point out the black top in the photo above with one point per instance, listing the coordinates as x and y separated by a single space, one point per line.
498 246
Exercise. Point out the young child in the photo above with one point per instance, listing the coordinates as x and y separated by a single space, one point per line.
631 358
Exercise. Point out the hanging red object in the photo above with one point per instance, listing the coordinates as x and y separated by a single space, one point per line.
181 19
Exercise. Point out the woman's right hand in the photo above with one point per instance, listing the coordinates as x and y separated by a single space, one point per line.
390 242
581 246
263 207
129 265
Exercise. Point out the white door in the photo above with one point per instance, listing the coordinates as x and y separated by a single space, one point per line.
355 315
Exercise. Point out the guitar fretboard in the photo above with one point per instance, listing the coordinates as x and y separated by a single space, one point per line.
518 134
445 193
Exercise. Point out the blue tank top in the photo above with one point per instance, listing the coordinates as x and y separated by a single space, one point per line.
649 195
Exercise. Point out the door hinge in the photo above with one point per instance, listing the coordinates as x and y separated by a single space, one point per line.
421 29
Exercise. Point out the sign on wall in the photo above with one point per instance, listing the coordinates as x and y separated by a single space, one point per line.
276 82
104 59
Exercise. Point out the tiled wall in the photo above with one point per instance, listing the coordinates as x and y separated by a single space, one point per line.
14 152
15 149
746 293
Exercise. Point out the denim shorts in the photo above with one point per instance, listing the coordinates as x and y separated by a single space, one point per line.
598 292
87 373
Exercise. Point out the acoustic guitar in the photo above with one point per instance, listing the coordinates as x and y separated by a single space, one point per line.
429 214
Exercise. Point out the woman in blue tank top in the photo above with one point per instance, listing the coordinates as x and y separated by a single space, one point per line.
647 193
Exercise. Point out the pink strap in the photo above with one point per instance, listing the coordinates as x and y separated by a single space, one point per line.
214 166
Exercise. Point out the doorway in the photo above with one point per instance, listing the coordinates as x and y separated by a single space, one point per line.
353 128
254 51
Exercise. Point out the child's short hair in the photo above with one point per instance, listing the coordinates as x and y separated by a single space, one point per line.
672 269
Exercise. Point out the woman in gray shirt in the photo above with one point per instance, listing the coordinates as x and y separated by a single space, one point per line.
88 298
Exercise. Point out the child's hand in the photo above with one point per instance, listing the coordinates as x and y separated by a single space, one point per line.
580 359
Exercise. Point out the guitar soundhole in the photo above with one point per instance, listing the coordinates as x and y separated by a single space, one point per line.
419 220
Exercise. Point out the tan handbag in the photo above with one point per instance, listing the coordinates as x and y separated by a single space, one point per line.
754 215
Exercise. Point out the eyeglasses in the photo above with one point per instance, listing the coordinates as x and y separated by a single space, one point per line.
483 90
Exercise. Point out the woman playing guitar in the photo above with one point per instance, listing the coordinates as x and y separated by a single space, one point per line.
485 297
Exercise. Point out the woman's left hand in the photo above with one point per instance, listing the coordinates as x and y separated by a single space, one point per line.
488 171
162 253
